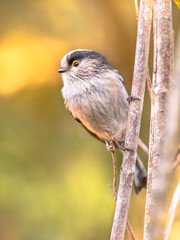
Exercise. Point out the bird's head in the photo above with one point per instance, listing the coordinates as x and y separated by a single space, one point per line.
82 64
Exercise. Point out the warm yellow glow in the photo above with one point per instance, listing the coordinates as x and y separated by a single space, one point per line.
28 60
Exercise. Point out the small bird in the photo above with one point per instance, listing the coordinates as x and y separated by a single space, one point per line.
94 93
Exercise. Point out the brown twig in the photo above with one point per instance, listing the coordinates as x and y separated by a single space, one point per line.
115 179
177 154
176 161
159 164
172 210
136 9
130 230
113 192
134 119
111 149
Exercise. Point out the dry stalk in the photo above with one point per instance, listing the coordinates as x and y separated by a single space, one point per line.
148 74
130 231
149 84
172 211
134 119
143 146
159 164
173 134
111 149
115 179
177 160
136 9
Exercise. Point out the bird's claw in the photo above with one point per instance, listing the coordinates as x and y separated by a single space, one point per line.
110 146
122 146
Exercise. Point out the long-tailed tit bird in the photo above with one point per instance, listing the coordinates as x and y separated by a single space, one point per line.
95 95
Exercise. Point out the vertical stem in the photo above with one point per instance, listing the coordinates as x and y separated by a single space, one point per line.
115 171
130 231
161 83
136 9
134 119
173 135
172 210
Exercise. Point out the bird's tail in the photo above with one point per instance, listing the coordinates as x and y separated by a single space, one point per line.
140 180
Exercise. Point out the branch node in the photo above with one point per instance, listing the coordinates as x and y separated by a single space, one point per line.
112 190
133 98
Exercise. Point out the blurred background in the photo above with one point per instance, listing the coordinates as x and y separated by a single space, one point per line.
53 176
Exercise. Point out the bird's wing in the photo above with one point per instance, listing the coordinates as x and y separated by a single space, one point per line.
92 134
118 75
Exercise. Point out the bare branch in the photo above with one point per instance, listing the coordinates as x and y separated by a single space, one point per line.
172 210
110 147
134 119
159 165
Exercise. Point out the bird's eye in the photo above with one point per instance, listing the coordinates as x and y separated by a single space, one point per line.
75 63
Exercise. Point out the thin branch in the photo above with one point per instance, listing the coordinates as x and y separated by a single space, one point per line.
111 149
143 146
115 179
177 160
130 230
172 210
134 119
177 154
136 9
149 84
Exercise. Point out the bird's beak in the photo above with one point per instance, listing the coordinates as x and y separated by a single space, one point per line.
62 70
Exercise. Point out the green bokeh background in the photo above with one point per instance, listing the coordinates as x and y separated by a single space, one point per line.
53 176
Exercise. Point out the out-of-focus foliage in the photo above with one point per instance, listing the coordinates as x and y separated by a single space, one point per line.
53 175
177 3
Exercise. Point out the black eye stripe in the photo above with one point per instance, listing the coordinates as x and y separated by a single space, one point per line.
79 55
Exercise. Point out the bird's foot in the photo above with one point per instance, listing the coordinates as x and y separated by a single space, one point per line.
122 146
110 146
